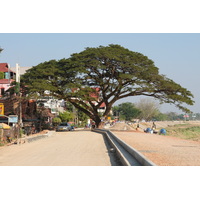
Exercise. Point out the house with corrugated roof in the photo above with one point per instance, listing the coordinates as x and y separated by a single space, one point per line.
7 77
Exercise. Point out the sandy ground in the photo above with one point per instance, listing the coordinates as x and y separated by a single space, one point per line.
160 149
77 148
163 150
86 148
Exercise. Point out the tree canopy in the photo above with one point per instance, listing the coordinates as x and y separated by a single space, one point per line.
128 110
104 75
149 109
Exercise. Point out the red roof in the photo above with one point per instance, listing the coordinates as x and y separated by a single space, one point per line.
4 67
103 105
94 95
6 81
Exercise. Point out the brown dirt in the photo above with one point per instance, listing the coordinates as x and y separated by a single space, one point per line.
163 150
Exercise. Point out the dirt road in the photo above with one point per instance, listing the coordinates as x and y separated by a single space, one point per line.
76 148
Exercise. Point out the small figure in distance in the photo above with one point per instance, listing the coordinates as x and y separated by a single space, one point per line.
154 126
138 126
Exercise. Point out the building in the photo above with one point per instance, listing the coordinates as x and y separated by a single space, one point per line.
95 95
53 104
7 76
50 102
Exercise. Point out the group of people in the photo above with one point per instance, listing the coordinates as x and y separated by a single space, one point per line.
153 129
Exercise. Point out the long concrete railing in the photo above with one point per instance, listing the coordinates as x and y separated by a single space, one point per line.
127 154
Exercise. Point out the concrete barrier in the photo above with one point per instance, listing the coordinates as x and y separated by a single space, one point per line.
140 158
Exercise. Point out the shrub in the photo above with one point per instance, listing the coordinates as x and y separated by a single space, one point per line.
56 121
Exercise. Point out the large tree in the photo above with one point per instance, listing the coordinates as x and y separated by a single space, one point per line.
104 75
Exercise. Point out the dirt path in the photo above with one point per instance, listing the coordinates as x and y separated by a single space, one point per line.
163 150
77 148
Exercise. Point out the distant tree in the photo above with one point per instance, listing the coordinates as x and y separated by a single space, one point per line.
149 109
127 110
181 117
115 110
161 117
173 116
196 116
117 73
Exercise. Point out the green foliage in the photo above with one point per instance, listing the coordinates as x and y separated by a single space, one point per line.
126 111
56 121
82 117
69 107
53 76
185 131
160 117
17 88
1 75
117 73
172 116
66 116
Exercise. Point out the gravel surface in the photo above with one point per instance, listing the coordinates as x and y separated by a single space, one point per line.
163 150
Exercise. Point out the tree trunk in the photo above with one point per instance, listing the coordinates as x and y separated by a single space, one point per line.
101 125
98 122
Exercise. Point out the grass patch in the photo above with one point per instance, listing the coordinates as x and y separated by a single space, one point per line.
189 133
181 125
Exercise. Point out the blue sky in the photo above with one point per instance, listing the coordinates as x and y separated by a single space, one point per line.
175 54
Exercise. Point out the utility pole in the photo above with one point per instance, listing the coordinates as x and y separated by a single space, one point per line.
20 100
17 73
